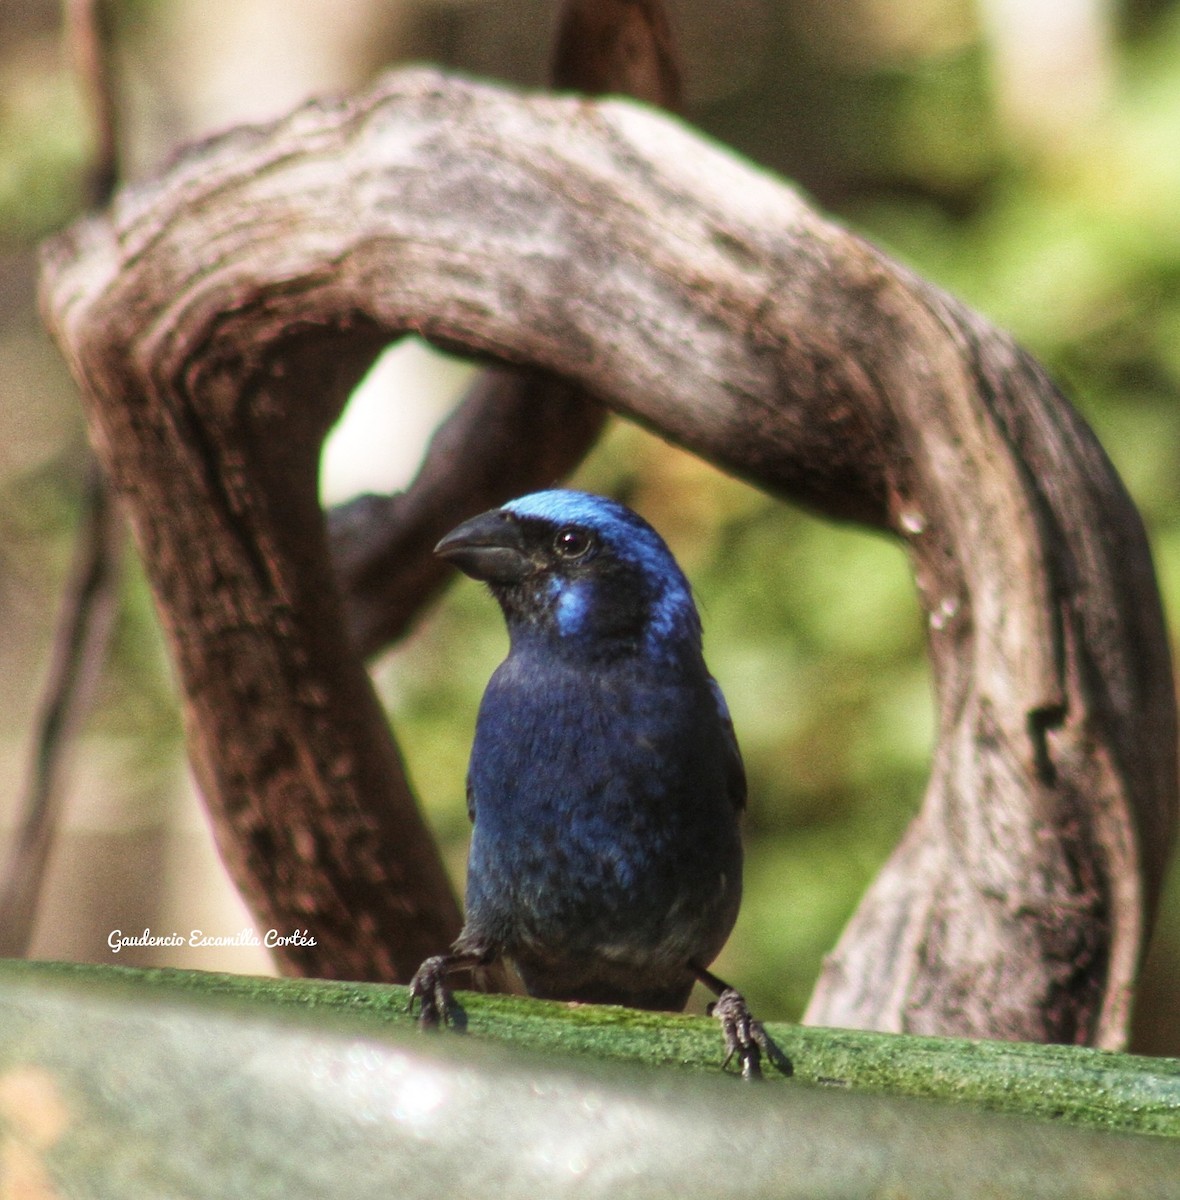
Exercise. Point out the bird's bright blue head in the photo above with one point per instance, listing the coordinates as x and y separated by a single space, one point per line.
579 569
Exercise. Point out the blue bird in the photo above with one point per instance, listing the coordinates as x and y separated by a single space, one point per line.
605 784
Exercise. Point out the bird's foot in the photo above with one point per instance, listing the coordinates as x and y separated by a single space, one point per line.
430 989
745 1036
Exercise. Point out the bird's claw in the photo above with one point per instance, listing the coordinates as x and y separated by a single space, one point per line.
429 988
745 1037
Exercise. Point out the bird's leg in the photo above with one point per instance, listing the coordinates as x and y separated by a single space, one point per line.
429 987
744 1036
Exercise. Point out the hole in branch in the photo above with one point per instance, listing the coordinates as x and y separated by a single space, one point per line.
377 444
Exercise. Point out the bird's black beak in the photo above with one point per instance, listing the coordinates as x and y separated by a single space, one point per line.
488 547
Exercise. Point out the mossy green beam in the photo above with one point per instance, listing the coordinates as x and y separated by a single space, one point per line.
1067 1083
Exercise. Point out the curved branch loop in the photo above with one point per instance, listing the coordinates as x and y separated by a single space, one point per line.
217 317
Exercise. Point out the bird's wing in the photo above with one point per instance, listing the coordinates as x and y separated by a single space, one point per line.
470 799
735 771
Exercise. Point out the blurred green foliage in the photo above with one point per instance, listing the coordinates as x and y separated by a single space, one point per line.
43 146
894 123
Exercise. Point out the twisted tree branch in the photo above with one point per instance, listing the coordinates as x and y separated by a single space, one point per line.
516 430
217 318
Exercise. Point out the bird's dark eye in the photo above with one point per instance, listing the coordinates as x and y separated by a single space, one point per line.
573 543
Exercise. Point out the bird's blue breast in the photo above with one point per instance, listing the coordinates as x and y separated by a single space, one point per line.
604 820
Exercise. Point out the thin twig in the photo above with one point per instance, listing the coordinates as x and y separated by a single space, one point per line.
89 33
90 601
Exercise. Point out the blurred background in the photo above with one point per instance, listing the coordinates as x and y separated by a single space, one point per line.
1024 155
